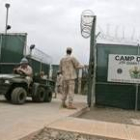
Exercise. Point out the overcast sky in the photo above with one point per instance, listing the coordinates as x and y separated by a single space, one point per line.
54 25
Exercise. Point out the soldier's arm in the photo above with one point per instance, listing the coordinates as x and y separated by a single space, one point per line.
76 63
60 66
28 71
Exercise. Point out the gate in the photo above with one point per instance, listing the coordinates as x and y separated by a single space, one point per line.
121 95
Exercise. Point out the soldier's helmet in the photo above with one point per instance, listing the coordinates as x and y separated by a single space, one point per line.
24 61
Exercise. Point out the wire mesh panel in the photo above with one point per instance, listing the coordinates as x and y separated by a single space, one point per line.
40 61
55 69
38 67
39 55
46 68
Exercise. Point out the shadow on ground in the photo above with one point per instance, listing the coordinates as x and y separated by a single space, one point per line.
113 115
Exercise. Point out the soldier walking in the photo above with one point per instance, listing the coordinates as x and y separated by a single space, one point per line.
68 67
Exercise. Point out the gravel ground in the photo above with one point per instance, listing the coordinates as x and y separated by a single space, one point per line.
51 134
113 115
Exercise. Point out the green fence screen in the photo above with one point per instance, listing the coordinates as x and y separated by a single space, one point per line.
119 95
12 47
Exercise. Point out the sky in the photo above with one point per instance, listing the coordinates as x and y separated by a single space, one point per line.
54 25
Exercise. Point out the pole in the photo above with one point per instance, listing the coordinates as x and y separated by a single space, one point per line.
136 97
137 89
7 5
92 66
1 39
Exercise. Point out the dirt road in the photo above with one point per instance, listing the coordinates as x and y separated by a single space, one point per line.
16 121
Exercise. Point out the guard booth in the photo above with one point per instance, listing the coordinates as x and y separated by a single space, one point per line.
114 85
13 47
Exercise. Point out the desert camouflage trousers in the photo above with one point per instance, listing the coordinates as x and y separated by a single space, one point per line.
59 89
68 91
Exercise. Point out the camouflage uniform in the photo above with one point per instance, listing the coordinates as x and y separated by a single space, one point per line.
24 68
59 82
27 71
68 66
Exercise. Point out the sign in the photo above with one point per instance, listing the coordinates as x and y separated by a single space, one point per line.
124 68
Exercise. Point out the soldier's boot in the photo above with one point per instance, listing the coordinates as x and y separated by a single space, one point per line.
63 105
70 106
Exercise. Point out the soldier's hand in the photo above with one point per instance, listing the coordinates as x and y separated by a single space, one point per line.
14 70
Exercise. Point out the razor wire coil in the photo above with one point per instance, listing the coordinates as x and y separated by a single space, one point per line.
86 23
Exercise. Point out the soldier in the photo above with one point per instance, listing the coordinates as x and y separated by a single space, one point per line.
59 81
42 75
68 67
25 69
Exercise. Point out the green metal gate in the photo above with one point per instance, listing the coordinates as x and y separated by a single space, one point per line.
121 95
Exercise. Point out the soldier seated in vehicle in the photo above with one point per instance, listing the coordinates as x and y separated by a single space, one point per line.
25 69
42 75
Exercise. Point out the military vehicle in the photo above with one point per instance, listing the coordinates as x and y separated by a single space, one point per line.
15 88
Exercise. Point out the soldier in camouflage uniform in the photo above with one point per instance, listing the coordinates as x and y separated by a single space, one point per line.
68 67
25 69
59 83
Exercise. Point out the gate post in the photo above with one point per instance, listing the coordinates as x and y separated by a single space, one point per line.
88 26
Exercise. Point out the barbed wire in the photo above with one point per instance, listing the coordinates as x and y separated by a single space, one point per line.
118 36
86 23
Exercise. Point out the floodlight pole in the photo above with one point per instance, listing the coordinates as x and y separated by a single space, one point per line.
92 66
7 5
31 49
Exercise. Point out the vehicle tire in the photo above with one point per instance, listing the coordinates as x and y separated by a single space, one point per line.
18 95
40 96
7 96
48 96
